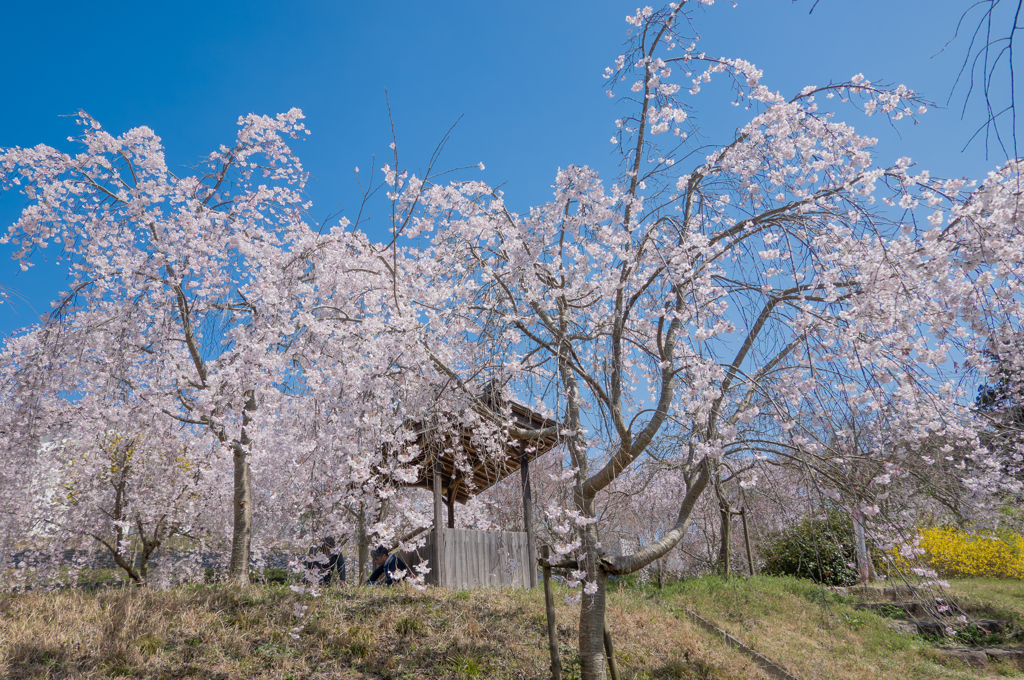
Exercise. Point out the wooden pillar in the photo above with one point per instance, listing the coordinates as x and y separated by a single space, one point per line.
746 539
609 653
451 509
549 607
453 492
438 557
531 548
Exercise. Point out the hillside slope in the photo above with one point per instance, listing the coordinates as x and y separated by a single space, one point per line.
228 632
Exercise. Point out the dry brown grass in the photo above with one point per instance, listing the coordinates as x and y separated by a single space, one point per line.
228 632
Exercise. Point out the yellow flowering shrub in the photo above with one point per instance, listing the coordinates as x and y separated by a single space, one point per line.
953 552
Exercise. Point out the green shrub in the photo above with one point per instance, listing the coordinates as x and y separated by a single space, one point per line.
817 548
277 575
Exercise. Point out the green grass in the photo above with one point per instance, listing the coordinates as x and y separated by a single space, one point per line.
1004 597
815 633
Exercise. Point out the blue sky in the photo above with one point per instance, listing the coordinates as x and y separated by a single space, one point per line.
526 78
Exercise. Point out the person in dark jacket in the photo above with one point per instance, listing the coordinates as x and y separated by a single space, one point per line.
386 565
326 560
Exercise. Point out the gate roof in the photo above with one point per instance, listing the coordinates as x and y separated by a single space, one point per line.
485 471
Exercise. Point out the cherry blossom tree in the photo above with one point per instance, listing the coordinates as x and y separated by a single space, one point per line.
92 466
183 289
724 288
208 300
130 492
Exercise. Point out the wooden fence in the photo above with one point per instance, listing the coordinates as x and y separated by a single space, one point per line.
478 559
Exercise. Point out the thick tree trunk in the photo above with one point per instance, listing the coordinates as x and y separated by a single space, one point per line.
865 569
241 537
592 607
150 545
593 664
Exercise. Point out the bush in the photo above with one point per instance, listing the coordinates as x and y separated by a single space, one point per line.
953 552
277 575
817 548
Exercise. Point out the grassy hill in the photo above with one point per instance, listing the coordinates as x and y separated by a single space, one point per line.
229 632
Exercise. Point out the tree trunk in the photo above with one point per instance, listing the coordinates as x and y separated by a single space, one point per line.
723 551
593 664
241 537
597 566
865 570
150 545
592 605
363 546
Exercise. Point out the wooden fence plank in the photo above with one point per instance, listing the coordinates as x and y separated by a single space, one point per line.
522 575
426 551
485 559
480 572
449 562
472 563
459 548
523 560
464 581
480 559
491 553
528 566
511 568
498 565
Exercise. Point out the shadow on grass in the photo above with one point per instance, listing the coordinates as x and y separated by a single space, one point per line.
34 660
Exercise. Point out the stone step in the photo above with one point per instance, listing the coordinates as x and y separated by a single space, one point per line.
893 592
983 656
938 628
919 609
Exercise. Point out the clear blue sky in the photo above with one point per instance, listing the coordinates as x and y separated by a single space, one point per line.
525 76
